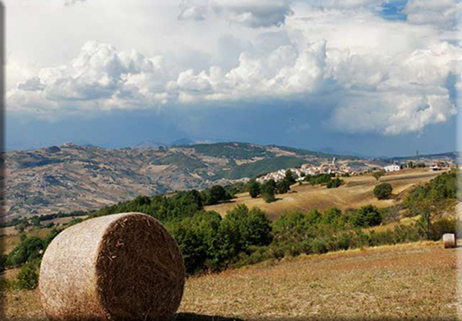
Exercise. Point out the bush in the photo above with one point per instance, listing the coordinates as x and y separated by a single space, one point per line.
29 249
319 246
28 276
334 183
254 189
283 186
442 226
268 190
366 216
217 194
383 191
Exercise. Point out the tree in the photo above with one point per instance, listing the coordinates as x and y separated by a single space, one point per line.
217 194
334 183
383 191
28 250
366 216
268 190
290 177
254 189
378 174
283 186
28 276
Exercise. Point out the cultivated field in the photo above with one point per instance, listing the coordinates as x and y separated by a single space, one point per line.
411 281
356 192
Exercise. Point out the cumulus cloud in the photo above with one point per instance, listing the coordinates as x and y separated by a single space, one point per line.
400 98
441 13
376 75
250 13
100 77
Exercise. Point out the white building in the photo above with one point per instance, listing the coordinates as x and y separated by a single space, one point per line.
392 168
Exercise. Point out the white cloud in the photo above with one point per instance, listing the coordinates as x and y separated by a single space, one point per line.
441 13
381 76
249 13
100 77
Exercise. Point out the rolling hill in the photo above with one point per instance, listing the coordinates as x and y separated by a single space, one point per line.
72 177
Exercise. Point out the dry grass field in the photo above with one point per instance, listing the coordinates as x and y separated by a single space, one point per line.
410 281
356 192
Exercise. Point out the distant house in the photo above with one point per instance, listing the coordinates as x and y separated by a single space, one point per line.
392 168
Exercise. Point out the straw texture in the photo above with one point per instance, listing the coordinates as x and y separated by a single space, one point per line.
449 240
117 267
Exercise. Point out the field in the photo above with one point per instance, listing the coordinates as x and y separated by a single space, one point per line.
410 281
356 192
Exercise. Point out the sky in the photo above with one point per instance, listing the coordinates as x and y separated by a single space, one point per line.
376 78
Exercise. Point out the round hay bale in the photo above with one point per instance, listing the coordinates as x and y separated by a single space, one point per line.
117 267
449 240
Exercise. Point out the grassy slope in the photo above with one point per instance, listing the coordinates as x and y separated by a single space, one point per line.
412 280
356 192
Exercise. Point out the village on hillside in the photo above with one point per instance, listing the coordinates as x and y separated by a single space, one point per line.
342 168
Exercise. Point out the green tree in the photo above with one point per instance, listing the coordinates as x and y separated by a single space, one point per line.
28 276
254 189
366 216
334 183
217 194
383 191
28 250
378 174
282 186
268 190
290 177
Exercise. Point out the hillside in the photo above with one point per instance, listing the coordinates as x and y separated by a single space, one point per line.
356 192
72 177
409 281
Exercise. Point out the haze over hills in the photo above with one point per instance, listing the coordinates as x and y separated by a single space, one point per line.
72 177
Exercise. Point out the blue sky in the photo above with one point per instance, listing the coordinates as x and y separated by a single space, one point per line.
370 77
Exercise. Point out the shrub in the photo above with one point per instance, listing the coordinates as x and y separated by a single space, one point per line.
283 186
217 194
383 191
29 249
268 190
28 276
366 216
442 226
334 183
319 246
254 189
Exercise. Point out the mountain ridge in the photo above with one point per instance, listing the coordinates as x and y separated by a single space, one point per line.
72 177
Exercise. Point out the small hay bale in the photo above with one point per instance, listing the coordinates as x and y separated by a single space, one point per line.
449 240
117 267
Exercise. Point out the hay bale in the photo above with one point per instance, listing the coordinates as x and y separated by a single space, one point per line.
449 240
117 267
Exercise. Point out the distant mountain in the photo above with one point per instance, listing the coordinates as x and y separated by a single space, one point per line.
73 177
149 144
182 142
449 155
342 152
